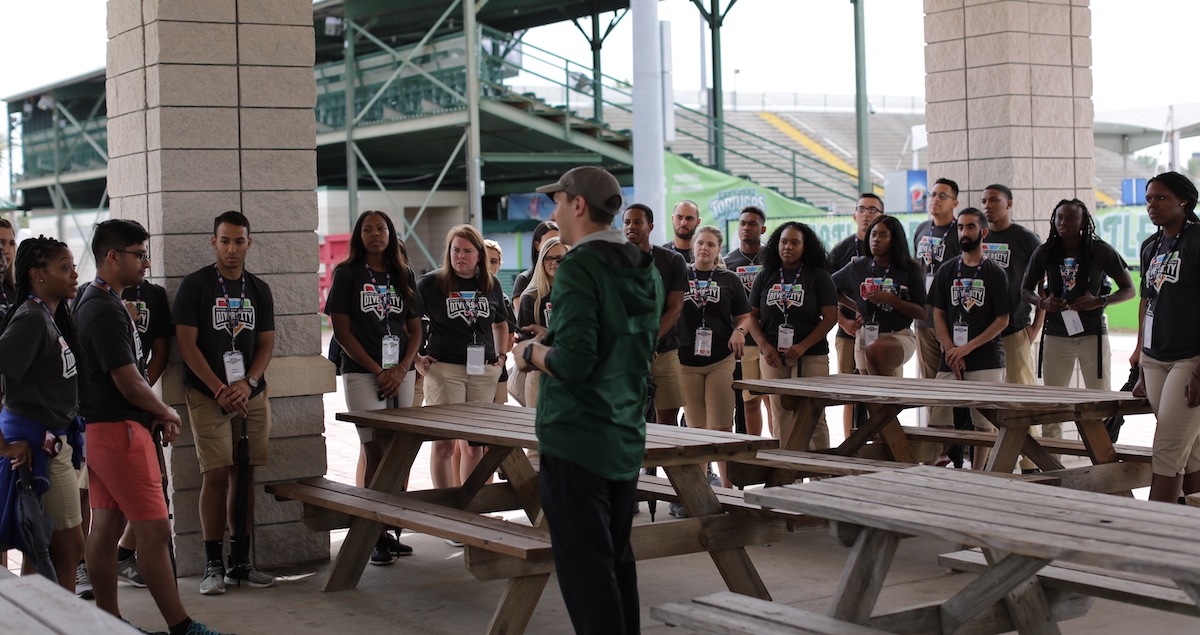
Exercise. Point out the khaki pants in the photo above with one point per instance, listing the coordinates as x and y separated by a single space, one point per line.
929 352
1018 359
708 394
809 366
1177 436
942 417
1059 355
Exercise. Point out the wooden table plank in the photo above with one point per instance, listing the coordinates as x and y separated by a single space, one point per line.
56 610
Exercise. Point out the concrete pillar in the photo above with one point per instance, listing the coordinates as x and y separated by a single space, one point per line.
1008 89
210 109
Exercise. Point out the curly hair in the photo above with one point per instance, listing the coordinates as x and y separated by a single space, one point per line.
813 254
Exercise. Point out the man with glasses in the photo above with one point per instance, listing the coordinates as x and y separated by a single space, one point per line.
225 327
935 242
869 207
685 219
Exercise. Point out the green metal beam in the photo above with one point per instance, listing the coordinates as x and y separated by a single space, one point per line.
540 157
552 129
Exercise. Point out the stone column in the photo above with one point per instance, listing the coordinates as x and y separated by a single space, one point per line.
1008 87
210 109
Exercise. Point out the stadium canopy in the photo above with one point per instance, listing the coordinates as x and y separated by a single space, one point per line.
1127 131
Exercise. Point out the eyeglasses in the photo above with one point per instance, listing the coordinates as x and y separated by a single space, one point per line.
864 210
144 256
943 196
554 259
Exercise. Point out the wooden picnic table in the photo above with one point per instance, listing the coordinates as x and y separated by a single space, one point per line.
682 452
33 604
1021 527
1012 408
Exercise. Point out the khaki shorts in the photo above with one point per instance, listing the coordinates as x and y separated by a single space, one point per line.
1177 435
668 392
907 339
709 393
782 420
844 347
217 433
61 501
942 417
450 384
750 369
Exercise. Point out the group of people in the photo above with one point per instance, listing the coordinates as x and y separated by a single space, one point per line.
77 366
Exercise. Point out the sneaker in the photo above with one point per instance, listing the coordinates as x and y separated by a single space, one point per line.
199 629
454 543
214 579
677 510
83 583
380 555
942 461
142 630
246 574
127 571
394 546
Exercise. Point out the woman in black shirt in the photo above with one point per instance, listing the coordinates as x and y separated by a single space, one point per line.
543 232
468 339
794 304
887 290
535 308
8 247
495 260
39 370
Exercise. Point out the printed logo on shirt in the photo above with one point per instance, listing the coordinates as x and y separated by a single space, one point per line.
374 296
747 275
69 369
468 305
998 253
879 283
775 296
931 249
546 314
232 315
967 293
703 291
1069 270
1164 269
143 318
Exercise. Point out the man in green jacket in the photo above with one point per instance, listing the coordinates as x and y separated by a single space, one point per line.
590 424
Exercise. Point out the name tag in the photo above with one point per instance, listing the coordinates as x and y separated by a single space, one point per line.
475 361
235 367
870 333
961 336
1072 321
704 341
787 336
1147 329
928 282
391 351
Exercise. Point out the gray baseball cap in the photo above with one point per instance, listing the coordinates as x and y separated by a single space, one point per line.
596 185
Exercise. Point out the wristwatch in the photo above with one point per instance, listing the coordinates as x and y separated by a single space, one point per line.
527 355
253 382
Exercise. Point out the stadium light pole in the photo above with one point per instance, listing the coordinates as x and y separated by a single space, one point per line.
860 102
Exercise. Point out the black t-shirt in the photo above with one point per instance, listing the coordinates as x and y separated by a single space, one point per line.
986 300
200 302
746 268
724 300
107 335
529 314
685 253
462 319
812 292
521 282
673 269
154 314
1077 278
365 298
907 284
932 246
841 255
1171 288
38 368
1011 249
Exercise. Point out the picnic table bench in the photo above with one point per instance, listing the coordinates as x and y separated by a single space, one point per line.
33 604
1021 528
732 614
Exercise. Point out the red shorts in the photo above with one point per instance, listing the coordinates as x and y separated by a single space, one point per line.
123 470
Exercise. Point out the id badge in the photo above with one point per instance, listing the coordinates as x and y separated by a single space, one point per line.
1072 322
787 336
870 333
928 282
475 359
704 340
1147 329
961 336
235 367
391 351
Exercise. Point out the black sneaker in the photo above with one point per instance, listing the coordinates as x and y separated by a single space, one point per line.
380 555
394 546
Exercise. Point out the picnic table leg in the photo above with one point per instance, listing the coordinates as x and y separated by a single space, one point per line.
356 548
1027 604
862 579
805 417
516 606
992 586
1009 441
882 422
1099 446
699 500
524 481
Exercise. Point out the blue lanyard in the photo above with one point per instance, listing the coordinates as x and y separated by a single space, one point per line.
233 318
701 298
120 301
886 271
42 303
383 297
970 285
787 290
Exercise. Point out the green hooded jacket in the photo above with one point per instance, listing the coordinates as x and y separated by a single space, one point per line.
607 301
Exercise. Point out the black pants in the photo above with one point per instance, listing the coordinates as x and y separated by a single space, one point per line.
590 519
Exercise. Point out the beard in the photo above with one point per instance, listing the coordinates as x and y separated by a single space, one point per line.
967 244
684 233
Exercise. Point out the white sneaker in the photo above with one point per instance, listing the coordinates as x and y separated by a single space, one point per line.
83 583
127 571
214 579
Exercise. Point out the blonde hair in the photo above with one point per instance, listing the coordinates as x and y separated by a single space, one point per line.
540 283
712 229
494 246
445 275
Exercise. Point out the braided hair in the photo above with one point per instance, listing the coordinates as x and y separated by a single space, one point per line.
1056 251
35 253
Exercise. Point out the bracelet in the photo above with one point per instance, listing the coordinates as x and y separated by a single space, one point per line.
381 371
219 391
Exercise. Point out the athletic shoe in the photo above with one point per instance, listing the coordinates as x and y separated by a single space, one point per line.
942 461
380 555
394 546
246 574
142 630
199 629
213 582
127 571
677 510
83 583
454 543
